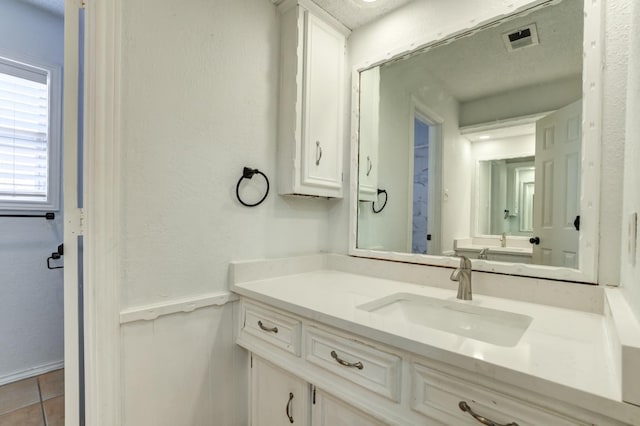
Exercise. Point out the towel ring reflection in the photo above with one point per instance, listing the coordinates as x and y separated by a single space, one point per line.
247 173
386 198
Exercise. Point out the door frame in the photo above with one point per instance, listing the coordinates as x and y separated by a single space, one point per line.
99 220
418 109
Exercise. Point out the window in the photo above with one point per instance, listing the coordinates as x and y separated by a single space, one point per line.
29 136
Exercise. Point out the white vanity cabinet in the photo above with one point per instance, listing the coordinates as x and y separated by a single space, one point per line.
327 410
277 397
337 377
310 121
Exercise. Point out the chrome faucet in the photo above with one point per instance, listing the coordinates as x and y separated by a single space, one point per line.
463 276
503 240
483 253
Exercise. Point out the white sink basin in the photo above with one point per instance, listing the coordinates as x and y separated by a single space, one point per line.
488 325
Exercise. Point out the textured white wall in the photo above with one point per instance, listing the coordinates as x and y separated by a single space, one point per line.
630 267
617 26
31 311
432 20
199 102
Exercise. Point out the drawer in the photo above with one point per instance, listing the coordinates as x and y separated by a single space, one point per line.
438 395
357 362
272 327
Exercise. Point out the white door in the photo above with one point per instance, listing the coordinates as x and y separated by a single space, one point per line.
277 397
322 98
329 411
557 187
74 30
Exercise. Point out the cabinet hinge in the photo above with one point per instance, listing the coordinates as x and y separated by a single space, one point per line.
251 361
342 177
81 221
314 396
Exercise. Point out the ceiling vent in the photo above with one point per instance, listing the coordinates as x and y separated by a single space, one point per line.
520 38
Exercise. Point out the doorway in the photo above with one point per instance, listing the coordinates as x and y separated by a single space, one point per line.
425 140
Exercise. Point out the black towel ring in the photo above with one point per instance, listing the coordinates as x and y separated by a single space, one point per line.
247 173
386 198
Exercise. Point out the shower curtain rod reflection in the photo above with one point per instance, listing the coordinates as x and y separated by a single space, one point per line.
47 215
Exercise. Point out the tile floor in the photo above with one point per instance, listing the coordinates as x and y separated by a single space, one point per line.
38 401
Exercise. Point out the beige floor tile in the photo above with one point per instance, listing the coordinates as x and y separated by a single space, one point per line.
54 411
27 416
51 384
18 394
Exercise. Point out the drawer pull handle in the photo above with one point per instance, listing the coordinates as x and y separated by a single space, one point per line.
289 406
357 365
318 153
465 407
269 329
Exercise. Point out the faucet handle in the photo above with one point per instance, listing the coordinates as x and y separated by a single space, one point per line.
465 262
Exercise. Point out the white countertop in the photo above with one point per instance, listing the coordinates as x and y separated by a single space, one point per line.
564 353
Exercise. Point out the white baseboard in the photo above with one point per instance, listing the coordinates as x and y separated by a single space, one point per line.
31 372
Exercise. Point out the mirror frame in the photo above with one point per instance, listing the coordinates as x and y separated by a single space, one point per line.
592 88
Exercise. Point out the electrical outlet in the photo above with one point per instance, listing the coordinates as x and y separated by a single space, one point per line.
632 237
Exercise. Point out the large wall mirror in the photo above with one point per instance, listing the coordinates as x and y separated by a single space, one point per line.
474 146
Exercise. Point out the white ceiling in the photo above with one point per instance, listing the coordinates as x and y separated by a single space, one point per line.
352 13
356 13
53 6
480 65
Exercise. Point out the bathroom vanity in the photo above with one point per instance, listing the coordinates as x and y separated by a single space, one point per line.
330 346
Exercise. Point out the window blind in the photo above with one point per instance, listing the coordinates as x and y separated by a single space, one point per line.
24 127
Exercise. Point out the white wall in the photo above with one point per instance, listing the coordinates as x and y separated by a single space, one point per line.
199 102
432 20
31 311
617 22
539 98
630 265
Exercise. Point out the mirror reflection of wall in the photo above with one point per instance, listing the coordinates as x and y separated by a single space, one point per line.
477 100
507 186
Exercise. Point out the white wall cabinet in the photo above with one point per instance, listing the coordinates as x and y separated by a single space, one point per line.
339 378
369 134
310 121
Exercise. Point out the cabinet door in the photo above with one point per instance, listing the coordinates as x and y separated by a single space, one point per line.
329 411
322 98
277 397
369 130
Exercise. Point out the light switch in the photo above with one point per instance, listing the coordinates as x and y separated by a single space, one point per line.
632 237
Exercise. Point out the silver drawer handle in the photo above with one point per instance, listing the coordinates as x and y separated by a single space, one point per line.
269 329
289 406
465 407
318 153
357 365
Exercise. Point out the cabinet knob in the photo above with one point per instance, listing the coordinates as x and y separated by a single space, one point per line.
369 165
534 240
318 153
